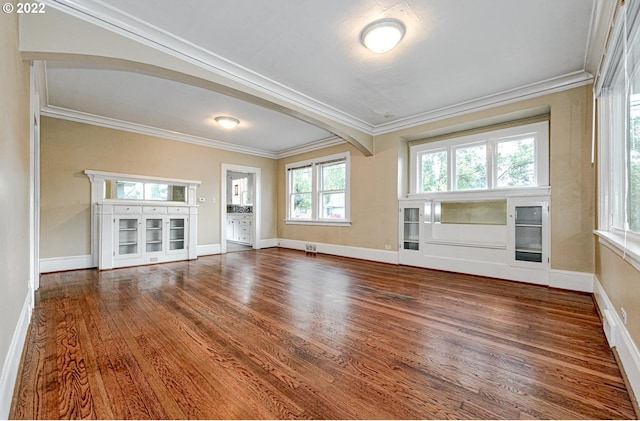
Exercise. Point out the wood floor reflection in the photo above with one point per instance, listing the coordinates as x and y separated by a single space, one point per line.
278 334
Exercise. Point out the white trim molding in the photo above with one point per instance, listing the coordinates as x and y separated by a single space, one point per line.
112 123
11 363
257 202
574 281
208 249
623 343
60 264
383 256
268 243
115 21
560 83
626 247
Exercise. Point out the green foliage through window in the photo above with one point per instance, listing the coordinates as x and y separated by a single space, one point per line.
434 171
471 167
516 163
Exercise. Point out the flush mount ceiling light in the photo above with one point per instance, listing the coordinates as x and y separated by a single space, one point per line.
382 35
227 122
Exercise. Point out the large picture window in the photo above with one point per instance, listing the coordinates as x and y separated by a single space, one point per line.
516 157
618 92
318 190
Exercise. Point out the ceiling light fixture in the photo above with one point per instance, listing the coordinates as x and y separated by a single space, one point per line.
227 122
382 35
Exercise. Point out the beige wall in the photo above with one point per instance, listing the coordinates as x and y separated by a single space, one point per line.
377 182
14 182
68 148
374 202
621 282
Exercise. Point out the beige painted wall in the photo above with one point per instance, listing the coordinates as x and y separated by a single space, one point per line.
68 148
377 181
621 282
14 182
374 202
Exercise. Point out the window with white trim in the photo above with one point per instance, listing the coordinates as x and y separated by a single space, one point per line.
618 92
318 190
516 157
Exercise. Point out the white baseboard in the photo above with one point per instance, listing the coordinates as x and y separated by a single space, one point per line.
268 242
59 264
627 349
207 249
12 360
384 256
574 281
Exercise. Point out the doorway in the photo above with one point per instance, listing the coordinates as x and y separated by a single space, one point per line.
240 208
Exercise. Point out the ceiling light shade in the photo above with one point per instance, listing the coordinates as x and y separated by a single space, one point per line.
382 35
227 122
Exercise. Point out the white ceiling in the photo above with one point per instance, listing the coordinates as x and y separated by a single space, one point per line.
454 52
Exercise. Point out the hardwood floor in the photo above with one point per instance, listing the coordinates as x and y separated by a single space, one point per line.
278 334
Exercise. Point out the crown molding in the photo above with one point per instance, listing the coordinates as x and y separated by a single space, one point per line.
313 146
112 123
111 19
561 83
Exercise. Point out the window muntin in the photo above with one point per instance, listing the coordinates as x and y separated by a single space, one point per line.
318 190
516 157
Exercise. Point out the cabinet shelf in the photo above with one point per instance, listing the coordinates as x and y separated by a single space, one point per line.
535 250
530 232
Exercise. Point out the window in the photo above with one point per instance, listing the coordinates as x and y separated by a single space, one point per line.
433 174
517 157
471 167
516 162
618 90
318 190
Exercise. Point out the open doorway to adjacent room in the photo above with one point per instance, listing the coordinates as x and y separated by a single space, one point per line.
239 208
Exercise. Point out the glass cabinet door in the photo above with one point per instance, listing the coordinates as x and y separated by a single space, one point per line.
127 236
528 232
177 234
528 224
153 238
411 228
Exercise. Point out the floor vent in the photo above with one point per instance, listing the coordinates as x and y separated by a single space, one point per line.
310 249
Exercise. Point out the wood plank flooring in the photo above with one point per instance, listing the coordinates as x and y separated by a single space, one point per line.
278 334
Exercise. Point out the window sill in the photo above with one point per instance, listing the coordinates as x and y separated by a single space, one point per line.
324 223
615 241
485 194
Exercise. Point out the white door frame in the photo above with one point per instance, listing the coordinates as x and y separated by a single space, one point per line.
34 185
223 203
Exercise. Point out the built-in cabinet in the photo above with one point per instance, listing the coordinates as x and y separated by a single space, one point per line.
528 223
240 228
502 235
411 215
133 235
